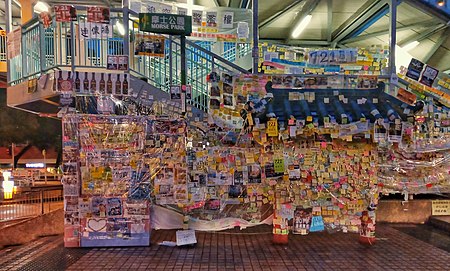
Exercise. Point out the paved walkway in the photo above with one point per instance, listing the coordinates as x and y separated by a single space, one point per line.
397 248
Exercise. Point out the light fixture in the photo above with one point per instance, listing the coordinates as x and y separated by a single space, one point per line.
441 3
120 28
411 45
8 185
41 7
301 26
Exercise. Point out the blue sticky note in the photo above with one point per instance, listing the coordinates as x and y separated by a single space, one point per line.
317 224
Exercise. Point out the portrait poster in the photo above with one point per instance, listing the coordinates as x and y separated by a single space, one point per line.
415 67
65 13
98 15
149 45
428 76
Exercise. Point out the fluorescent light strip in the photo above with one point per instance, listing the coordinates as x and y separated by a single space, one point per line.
301 26
411 45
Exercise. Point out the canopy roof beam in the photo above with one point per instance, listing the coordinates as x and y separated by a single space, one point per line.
280 13
363 15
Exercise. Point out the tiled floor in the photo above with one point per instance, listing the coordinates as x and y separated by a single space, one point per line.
249 250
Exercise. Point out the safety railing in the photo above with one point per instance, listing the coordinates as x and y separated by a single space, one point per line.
31 203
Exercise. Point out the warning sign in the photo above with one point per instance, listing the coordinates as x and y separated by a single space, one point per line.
440 207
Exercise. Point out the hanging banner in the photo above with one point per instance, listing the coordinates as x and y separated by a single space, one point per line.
152 7
197 17
95 31
332 57
428 76
117 63
14 42
227 19
65 13
415 67
149 45
165 23
182 11
175 92
46 19
211 18
98 15
243 30
92 83
167 9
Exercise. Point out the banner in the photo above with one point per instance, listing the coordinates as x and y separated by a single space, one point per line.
46 19
117 63
98 15
428 76
95 31
227 19
197 17
149 45
211 18
415 67
14 42
65 13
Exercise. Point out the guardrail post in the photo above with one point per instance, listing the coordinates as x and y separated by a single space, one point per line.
23 53
41 196
42 47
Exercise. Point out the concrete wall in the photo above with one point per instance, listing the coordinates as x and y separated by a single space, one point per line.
25 231
414 211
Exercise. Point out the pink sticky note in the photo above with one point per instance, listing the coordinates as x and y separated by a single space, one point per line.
323 145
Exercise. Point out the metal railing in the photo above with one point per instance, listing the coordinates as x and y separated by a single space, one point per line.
31 203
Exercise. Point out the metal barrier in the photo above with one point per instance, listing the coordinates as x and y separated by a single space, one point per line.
31 203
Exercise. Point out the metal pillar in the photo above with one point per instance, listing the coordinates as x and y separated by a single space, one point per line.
392 35
183 73
126 26
255 52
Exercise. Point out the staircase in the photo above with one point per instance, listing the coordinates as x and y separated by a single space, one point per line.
61 47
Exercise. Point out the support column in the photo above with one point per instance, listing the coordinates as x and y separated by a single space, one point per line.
392 36
183 73
27 10
255 52
8 14
126 26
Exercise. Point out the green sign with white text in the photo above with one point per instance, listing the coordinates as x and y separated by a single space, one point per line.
163 23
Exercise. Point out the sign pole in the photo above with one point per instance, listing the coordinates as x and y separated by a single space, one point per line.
183 74
255 51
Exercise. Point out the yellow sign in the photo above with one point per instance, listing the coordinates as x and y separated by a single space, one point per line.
440 207
272 127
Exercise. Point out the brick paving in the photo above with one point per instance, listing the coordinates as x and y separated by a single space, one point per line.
251 249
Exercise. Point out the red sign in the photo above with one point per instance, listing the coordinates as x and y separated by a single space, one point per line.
98 15
65 13
46 19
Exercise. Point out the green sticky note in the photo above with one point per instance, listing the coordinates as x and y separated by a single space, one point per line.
278 164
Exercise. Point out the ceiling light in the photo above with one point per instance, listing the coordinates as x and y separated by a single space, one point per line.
441 3
120 28
41 7
301 26
411 45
